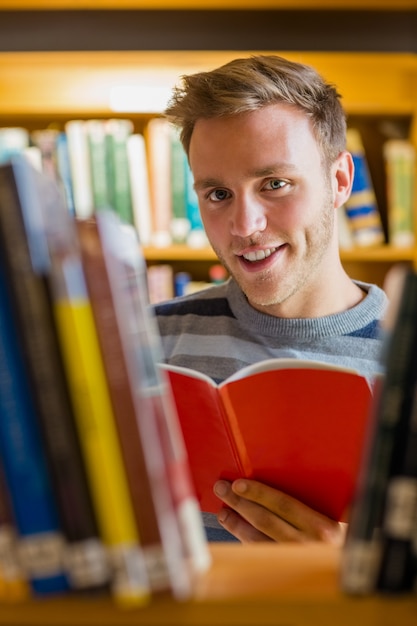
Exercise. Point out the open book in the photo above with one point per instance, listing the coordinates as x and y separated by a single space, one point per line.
299 426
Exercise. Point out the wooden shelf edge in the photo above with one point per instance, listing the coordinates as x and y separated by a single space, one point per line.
384 253
182 252
41 5
262 584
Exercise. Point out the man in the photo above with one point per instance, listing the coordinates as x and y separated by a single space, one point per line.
265 139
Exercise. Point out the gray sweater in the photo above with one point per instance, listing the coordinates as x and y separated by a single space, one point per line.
217 332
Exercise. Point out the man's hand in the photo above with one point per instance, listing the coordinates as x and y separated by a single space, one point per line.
256 512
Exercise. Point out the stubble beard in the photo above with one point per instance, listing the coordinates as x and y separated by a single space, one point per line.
271 290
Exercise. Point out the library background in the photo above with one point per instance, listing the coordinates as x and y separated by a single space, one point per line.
108 67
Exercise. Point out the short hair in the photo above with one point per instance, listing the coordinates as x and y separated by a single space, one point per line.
250 83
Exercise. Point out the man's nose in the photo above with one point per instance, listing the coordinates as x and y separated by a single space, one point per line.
248 216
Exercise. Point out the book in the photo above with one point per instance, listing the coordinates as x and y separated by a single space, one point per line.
295 425
160 279
45 140
79 158
64 170
399 158
95 131
398 571
127 273
94 417
180 223
118 132
158 151
196 237
13 140
40 540
32 201
362 207
139 187
384 454
152 506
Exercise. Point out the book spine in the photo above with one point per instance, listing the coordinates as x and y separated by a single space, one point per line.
28 287
124 265
40 541
197 237
80 168
399 519
97 433
13 140
95 131
143 491
399 156
362 208
363 548
64 170
180 223
139 185
45 140
118 132
158 141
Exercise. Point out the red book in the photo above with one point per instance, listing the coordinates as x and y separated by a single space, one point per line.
298 426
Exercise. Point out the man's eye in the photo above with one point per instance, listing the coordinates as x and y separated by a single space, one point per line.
218 195
275 183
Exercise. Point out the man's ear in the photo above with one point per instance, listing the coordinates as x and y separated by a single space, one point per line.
343 171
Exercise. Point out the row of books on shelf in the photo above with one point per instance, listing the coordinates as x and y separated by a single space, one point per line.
164 283
146 179
363 221
103 163
95 486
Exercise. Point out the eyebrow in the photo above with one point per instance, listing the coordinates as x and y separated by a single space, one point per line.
207 183
276 169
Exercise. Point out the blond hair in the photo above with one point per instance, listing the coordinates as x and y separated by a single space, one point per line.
250 83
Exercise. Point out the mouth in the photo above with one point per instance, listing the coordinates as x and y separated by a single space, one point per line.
258 255
256 260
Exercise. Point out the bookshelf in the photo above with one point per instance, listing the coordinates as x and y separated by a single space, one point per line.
262 584
253 584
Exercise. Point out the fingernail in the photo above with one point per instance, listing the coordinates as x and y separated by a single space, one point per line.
240 486
222 515
221 488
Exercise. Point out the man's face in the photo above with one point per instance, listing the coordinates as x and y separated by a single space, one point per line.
267 204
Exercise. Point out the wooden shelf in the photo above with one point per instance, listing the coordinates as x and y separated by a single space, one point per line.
259 584
207 4
179 253
379 254
369 254
81 83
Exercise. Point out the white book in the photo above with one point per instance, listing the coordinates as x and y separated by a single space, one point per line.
139 186
80 168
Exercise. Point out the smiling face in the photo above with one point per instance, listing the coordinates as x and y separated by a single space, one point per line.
268 205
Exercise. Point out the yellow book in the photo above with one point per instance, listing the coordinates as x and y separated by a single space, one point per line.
400 158
98 434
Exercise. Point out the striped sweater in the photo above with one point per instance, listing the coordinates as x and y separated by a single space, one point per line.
217 332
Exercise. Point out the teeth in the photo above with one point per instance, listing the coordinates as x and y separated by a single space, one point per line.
259 255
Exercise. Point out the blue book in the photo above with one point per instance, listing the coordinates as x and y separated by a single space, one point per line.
40 539
362 208
197 237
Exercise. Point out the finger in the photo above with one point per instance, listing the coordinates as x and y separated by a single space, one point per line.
312 525
240 528
265 524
